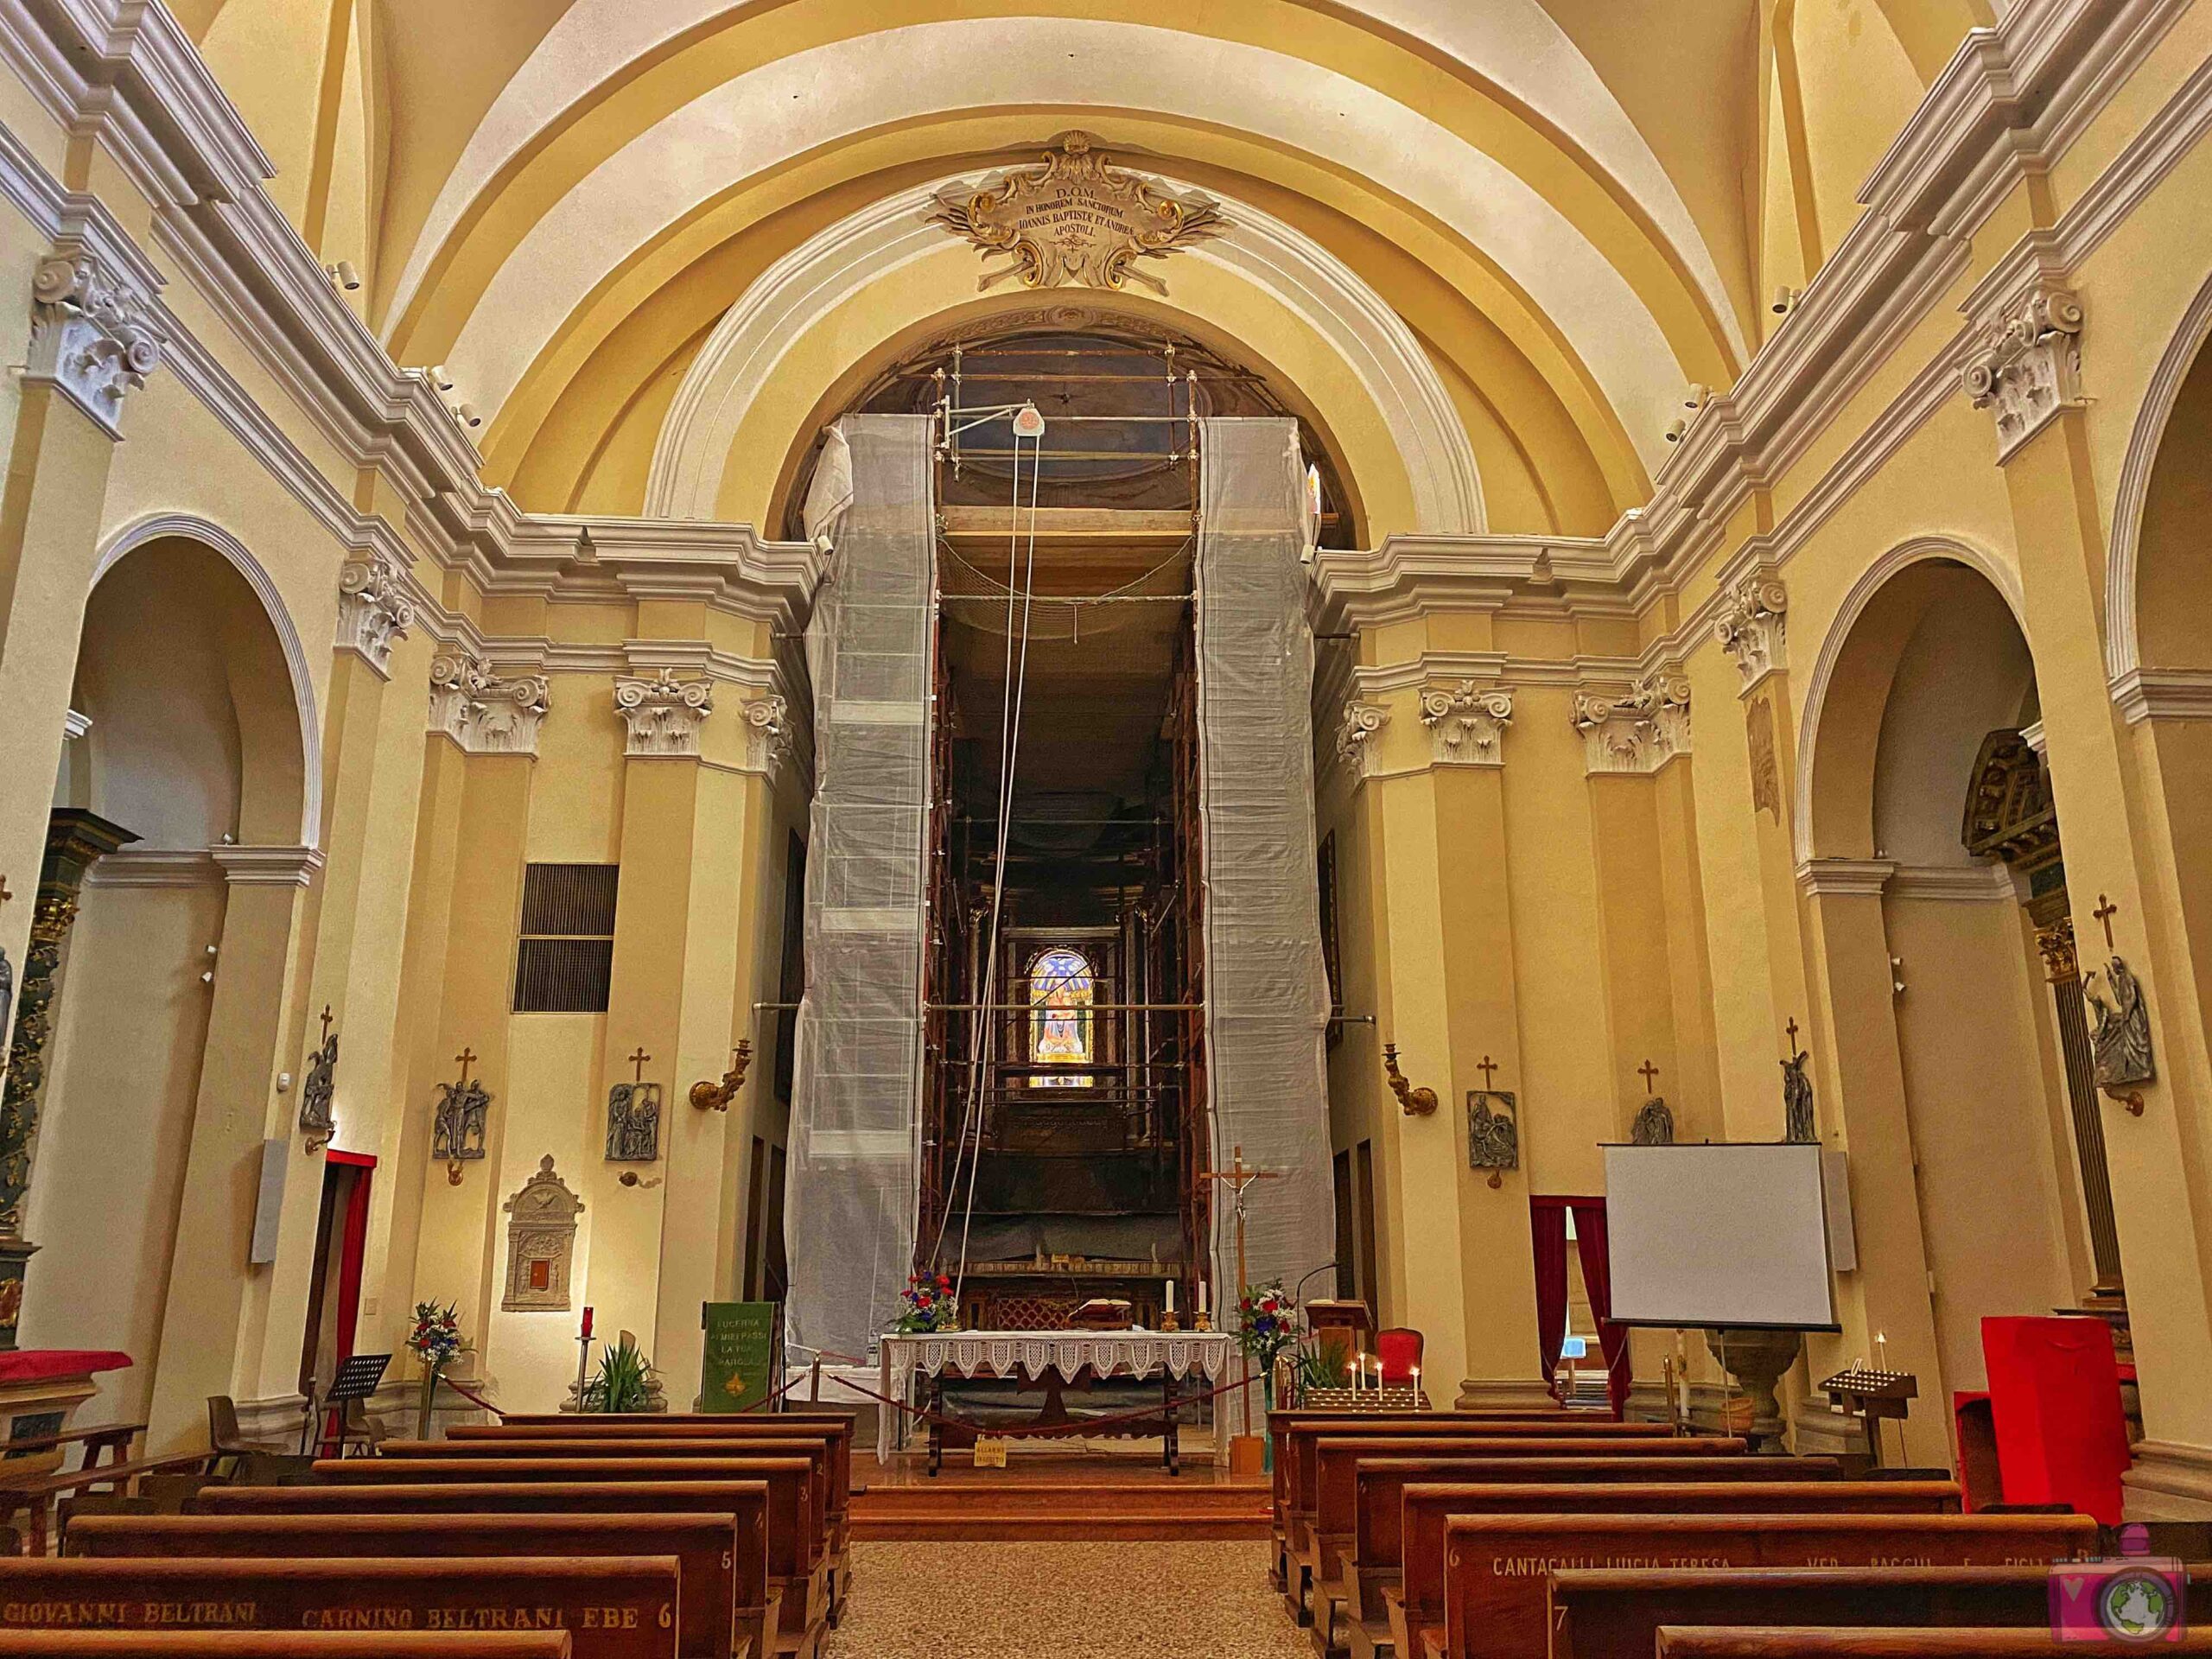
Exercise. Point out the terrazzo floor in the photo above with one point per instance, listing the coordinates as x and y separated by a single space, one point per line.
1044 1601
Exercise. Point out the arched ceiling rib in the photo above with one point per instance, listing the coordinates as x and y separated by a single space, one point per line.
831 92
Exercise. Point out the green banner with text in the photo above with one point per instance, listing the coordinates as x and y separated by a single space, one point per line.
738 1363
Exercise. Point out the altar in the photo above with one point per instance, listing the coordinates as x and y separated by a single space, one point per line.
1201 1360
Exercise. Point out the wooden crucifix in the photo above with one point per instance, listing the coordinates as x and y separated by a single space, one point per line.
464 1059
2105 911
638 1059
1238 1176
325 1022
1486 1065
1650 1073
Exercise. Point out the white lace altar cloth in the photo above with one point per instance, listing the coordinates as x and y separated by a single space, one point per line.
1032 1353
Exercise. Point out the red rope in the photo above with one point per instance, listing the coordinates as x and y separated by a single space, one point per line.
1018 1431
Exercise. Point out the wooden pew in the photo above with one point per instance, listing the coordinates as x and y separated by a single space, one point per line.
768 1520
1616 1612
585 1430
706 1547
806 1603
1376 1554
1496 1565
612 1606
287 1644
1295 1543
1428 1509
1358 1567
1773 1643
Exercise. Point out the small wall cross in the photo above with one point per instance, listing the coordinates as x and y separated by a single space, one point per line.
2105 911
465 1058
1486 1065
1647 1072
1792 1029
325 1022
638 1059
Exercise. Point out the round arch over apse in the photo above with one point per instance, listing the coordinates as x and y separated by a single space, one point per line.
696 439
190 527
1920 550
2123 634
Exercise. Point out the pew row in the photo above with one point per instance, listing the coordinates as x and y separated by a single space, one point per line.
612 1606
708 1547
1417 1603
1791 1644
287 1644
1496 1566
795 1538
1617 1614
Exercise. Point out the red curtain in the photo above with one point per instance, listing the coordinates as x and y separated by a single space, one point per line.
1598 1281
1548 1228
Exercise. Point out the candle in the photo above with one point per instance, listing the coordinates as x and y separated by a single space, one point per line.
587 1330
1416 1384
1881 1351
1204 1306
1171 1296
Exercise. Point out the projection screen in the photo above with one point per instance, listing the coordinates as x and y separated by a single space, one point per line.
1707 1237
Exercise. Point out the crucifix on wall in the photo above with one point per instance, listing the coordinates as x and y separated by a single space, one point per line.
1493 1127
633 1117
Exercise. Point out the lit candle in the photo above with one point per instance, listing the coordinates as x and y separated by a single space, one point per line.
1881 1352
1416 1385
587 1330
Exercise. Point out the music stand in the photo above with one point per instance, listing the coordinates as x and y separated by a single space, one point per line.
357 1379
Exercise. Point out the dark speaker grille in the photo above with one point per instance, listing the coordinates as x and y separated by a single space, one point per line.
566 958
569 899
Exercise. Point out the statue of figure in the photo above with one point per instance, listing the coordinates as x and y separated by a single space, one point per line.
1493 1137
634 1123
1798 1124
1653 1125
2122 1039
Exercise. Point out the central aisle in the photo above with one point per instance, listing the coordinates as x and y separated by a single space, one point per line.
1101 1600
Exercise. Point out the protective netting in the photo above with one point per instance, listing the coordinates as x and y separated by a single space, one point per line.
855 1128
1267 990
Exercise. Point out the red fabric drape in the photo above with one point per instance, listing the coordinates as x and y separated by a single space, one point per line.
1547 1230
1598 1280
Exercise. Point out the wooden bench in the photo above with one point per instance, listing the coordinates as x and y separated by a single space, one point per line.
584 1435
1356 1567
1617 1614
1776 1643
287 1644
612 1606
790 1505
34 1498
708 1547
1295 1543
767 1521
1428 1509
1496 1566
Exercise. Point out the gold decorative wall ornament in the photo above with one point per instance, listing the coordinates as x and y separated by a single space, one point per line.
1418 1103
710 1096
1073 219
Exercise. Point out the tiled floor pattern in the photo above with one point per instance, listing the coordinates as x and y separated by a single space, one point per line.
1044 1601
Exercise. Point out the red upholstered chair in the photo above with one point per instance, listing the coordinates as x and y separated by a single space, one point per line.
1399 1349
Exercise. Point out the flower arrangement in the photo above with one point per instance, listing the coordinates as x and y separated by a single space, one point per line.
930 1305
434 1339
1266 1322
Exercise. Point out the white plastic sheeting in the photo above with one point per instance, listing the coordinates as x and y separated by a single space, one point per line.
856 1129
1266 988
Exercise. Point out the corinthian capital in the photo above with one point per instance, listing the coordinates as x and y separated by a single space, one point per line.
373 608
1753 627
1356 730
767 734
1639 731
1466 722
92 332
663 713
482 712
2027 366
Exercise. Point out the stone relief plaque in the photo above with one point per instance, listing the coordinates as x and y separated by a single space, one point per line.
541 1243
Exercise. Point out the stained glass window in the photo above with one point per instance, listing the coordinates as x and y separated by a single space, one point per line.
1059 1018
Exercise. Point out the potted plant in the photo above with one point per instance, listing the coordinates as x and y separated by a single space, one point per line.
930 1305
434 1340
627 1381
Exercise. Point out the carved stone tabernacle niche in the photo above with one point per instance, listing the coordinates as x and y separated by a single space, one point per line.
541 1243
1073 218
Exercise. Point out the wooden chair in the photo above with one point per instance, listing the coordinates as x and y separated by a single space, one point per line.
1399 1348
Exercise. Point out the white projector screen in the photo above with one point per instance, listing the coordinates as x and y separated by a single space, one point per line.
1705 1237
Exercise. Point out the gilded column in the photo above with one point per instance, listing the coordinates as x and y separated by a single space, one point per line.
75 840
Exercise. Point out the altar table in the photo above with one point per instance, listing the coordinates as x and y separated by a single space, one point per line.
1171 1355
